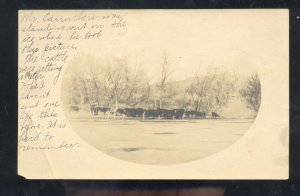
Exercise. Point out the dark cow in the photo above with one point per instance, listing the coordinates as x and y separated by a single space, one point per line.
215 115
120 111
190 114
195 114
134 112
200 114
166 114
102 109
151 114
178 113
74 108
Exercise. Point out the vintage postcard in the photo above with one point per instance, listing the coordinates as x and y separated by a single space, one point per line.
153 94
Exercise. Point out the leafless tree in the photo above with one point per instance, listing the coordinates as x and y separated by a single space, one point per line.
251 93
209 92
161 85
222 87
199 91
116 75
79 89
136 83
146 95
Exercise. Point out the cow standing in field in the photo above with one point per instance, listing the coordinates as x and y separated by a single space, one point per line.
215 115
178 113
102 109
134 112
190 114
120 112
195 114
166 114
151 114
201 114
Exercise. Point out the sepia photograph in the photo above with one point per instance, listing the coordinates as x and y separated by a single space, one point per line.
147 99
153 94
161 115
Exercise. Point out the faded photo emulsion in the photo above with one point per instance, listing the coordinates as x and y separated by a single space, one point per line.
153 94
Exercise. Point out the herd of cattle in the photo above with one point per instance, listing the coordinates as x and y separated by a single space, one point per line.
150 113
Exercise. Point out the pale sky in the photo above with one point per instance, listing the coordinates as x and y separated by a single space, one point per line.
237 40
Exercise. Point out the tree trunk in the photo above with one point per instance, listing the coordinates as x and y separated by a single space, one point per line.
160 103
198 104
116 106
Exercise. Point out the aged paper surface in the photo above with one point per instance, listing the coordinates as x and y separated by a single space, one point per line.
153 94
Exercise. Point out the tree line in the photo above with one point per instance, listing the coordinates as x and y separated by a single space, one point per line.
115 84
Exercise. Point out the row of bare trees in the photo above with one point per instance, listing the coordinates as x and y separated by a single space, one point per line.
251 92
114 84
210 92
